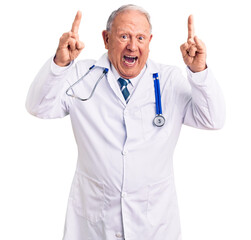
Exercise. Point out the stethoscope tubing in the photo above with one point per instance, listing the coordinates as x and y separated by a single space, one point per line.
157 94
159 120
80 79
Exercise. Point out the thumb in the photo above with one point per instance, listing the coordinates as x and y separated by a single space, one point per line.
80 45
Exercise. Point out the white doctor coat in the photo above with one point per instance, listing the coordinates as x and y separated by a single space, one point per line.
123 187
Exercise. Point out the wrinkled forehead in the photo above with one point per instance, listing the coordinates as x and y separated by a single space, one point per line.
131 19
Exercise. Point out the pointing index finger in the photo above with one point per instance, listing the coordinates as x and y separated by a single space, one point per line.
76 23
190 25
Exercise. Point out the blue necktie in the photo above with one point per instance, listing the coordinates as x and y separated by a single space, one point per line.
123 87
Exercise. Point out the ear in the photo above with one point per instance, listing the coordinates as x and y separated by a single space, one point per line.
105 35
150 38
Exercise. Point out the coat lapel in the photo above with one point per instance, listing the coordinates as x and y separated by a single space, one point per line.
105 63
145 83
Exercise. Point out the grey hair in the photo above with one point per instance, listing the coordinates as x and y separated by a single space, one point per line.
124 8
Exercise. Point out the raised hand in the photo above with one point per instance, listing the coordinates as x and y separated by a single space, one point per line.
194 50
69 46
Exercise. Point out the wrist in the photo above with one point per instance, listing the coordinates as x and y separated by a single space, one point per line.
59 63
198 69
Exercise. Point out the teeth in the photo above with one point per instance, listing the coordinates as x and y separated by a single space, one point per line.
131 57
132 61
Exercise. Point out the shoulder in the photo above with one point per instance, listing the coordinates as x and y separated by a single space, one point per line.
84 65
165 71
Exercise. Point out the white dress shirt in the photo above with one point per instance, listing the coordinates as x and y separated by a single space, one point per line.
133 81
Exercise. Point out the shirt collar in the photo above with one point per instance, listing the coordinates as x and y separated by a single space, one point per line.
133 81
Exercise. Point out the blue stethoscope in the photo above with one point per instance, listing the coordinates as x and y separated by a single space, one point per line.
158 120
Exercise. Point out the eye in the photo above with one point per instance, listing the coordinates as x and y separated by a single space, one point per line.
124 37
141 38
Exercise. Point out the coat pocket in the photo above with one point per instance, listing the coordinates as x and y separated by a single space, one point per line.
88 197
162 204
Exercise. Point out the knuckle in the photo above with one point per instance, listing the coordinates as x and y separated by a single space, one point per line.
75 35
61 39
64 37
183 46
72 41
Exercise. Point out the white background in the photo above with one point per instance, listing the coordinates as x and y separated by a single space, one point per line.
38 157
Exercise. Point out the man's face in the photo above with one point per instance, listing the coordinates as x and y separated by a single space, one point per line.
128 43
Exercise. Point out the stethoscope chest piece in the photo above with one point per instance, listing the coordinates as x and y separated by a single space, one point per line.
159 120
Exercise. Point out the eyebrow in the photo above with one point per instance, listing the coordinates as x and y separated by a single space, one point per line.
137 33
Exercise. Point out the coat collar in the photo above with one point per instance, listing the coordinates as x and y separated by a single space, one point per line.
145 83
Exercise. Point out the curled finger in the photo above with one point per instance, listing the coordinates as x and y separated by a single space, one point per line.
80 45
72 44
192 51
64 39
184 49
199 44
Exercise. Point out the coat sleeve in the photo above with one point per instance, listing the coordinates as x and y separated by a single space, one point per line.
200 100
46 97
206 107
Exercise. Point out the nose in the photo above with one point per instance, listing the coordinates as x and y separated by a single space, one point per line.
132 45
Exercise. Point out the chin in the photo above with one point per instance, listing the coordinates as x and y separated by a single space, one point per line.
130 75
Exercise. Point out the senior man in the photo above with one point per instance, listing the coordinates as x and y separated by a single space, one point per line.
123 187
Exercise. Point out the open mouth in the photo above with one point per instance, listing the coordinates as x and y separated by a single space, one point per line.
129 60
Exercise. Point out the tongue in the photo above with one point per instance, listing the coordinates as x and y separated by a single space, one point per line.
129 59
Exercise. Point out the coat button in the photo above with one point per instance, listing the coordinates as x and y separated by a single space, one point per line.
118 235
123 194
125 152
